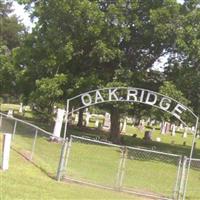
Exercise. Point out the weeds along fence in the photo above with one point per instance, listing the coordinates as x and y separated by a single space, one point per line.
33 143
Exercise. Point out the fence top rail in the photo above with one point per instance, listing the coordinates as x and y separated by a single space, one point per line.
29 124
121 146
95 141
194 159
153 151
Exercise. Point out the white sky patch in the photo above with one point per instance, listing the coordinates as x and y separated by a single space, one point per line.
23 15
159 65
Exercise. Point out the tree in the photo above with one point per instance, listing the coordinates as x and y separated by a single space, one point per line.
11 35
113 41
12 31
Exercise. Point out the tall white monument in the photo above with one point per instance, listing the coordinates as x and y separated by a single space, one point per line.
59 122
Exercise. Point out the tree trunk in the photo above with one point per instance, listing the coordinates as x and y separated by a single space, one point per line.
115 125
80 118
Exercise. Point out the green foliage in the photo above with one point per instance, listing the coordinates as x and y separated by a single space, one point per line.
12 30
48 92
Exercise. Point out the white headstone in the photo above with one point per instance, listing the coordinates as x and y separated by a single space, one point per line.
124 125
10 113
163 128
106 124
173 129
76 118
21 109
193 129
158 139
87 118
6 150
97 123
58 123
185 132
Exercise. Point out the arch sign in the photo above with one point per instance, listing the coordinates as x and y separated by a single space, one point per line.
135 95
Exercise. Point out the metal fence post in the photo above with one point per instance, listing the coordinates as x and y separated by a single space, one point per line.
14 129
67 155
62 160
183 176
121 169
178 178
33 147
1 121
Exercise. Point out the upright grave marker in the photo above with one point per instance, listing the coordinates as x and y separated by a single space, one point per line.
6 150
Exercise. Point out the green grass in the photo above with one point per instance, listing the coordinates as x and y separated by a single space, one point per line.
24 181
99 163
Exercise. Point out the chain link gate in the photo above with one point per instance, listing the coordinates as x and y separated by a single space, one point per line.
133 170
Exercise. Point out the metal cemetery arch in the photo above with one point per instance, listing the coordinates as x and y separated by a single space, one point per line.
138 95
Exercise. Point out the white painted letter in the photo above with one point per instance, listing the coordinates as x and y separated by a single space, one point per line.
178 110
165 103
152 102
132 93
98 97
88 101
112 93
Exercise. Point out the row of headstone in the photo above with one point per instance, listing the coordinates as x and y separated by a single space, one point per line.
165 127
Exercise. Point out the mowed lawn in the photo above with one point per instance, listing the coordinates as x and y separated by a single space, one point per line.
24 181
97 164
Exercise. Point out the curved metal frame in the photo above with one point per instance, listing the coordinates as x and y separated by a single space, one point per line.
121 100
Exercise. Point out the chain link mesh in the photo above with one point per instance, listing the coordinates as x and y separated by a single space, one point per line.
193 191
123 168
32 143
89 161
148 171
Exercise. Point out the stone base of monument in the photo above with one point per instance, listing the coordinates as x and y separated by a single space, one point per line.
55 139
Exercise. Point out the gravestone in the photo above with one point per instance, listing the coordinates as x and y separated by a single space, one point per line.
21 109
173 127
58 123
6 150
106 124
185 132
10 113
141 125
87 118
76 118
124 125
165 128
158 139
97 122
147 135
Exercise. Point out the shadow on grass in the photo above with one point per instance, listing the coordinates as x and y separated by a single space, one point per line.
27 157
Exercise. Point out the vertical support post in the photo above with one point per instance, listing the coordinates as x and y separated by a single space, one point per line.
33 146
6 150
182 181
14 129
66 119
62 160
178 178
190 158
67 155
121 168
1 121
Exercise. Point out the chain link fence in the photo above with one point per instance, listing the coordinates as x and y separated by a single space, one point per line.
150 173
33 143
84 160
192 190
